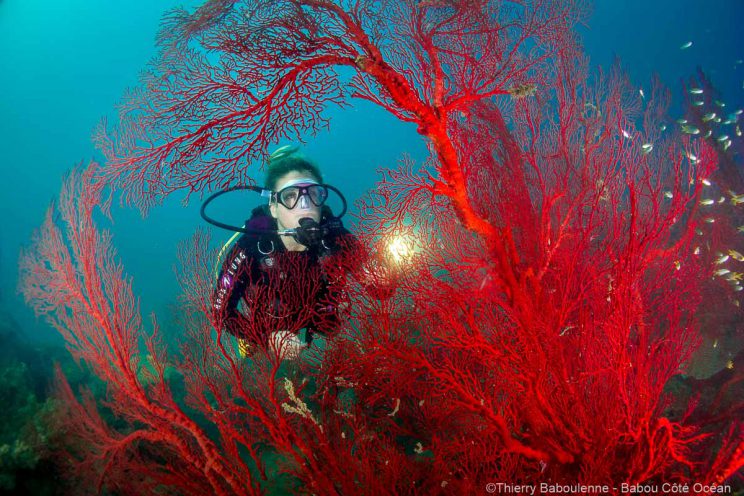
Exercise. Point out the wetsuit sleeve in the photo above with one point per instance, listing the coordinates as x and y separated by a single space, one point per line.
232 282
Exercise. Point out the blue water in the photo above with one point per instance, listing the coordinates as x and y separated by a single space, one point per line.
64 65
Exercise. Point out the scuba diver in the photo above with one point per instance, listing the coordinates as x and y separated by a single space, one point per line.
286 245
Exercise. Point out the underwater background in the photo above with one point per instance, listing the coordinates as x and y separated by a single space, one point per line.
65 64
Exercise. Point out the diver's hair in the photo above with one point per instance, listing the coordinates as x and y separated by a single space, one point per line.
286 160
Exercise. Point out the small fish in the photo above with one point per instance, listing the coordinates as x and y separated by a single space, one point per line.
723 138
728 122
697 251
690 129
707 202
686 46
709 220
736 255
663 127
706 182
693 158
647 148
715 344
736 199
721 259
717 120
696 91
730 363
722 199
740 229
721 272
700 233
720 103
677 264
626 134
738 131
707 135
738 112
566 329
726 145
668 194
709 116
681 121
698 103
735 277
641 92
737 288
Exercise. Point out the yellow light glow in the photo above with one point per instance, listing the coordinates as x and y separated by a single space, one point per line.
400 251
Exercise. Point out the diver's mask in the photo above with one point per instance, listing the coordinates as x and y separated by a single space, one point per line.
304 191
304 194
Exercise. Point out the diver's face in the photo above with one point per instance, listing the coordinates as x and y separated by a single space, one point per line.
290 218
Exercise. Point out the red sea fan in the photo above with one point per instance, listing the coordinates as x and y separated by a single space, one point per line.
546 263
233 79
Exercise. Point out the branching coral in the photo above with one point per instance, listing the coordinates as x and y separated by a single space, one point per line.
549 297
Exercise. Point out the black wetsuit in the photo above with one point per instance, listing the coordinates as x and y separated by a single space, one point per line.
261 272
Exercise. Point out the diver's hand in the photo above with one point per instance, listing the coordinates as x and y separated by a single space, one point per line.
287 345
